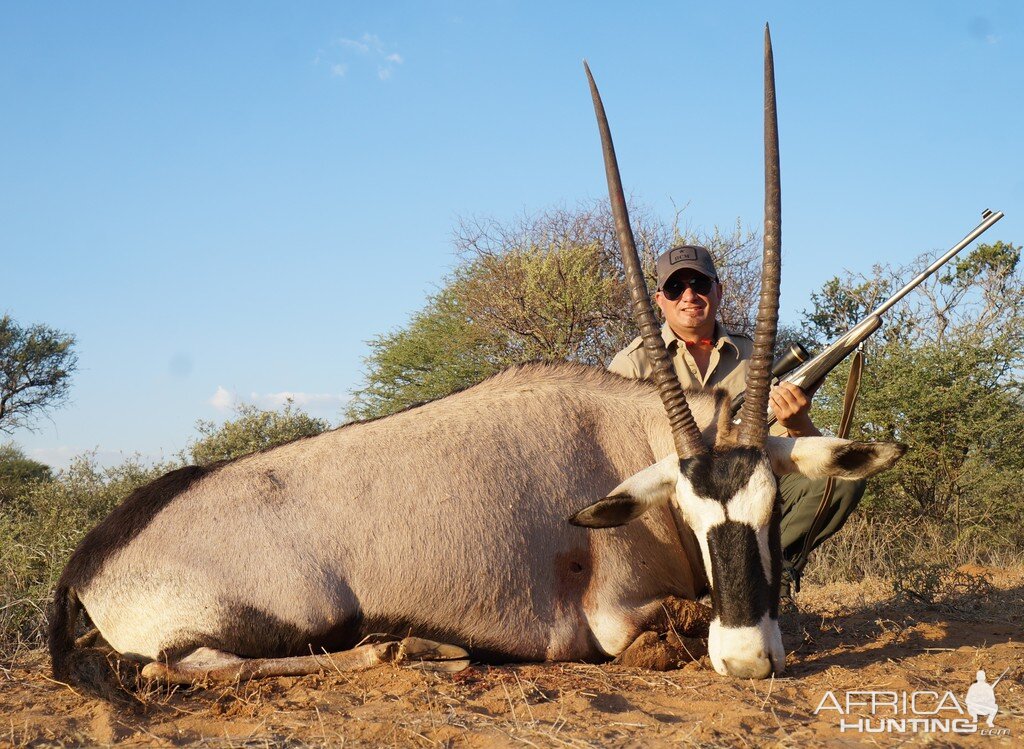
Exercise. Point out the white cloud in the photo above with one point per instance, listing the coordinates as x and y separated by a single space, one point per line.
57 457
62 456
374 41
308 401
318 404
360 47
367 49
223 399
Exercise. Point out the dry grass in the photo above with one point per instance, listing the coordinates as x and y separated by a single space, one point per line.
889 549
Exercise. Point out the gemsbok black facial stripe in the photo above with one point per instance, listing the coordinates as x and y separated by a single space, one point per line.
721 476
740 590
775 551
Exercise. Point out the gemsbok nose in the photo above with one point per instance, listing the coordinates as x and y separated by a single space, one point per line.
747 652
756 668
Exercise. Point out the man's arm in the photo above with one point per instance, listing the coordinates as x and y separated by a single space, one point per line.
792 409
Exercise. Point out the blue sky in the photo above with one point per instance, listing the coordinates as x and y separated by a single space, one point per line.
226 200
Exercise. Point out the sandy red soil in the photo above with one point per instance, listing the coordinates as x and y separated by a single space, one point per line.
846 637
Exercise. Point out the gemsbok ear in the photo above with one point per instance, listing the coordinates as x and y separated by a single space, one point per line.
629 500
821 457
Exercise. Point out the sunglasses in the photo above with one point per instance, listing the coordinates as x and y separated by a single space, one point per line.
676 286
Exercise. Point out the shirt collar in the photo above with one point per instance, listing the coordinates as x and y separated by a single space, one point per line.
721 336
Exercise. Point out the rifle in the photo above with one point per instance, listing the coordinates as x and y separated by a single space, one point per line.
811 372
994 683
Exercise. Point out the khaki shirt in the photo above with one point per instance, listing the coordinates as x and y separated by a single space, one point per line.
727 367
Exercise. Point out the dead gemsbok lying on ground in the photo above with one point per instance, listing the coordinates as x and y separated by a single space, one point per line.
449 522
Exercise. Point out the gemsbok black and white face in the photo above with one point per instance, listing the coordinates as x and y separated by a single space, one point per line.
729 498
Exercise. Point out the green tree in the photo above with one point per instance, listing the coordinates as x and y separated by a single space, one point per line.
440 351
946 380
18 473
543 287
39 532
842 303
252 430
36 364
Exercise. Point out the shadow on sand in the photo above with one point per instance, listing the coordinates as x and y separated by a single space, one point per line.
900 627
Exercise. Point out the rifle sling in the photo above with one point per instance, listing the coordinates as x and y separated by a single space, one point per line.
849 401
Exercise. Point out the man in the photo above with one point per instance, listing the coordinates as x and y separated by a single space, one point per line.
705 355
981 700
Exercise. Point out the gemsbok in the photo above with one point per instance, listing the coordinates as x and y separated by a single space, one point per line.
458 521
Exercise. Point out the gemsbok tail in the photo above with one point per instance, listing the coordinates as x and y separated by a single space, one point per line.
61 636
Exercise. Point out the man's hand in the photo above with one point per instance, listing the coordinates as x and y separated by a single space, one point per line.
792 409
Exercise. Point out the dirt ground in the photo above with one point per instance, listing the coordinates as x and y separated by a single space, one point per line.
848 637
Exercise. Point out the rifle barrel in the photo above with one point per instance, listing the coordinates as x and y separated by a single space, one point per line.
988 218
813 371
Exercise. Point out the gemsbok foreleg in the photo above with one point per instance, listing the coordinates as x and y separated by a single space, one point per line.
675 635
207 664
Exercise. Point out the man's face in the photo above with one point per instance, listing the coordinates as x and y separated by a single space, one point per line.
690 312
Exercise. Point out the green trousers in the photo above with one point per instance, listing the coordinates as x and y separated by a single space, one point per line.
800 499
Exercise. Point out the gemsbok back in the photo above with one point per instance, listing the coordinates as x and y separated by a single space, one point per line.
459 521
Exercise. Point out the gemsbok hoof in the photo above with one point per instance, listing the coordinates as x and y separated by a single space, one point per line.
427 655
157 671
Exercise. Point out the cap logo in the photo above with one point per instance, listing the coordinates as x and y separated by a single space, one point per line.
680 254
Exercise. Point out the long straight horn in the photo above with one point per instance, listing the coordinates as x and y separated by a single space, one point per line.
685 433
753 429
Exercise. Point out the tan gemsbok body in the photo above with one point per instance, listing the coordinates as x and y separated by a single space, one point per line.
450 522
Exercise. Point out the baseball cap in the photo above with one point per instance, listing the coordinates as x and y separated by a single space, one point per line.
690 256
